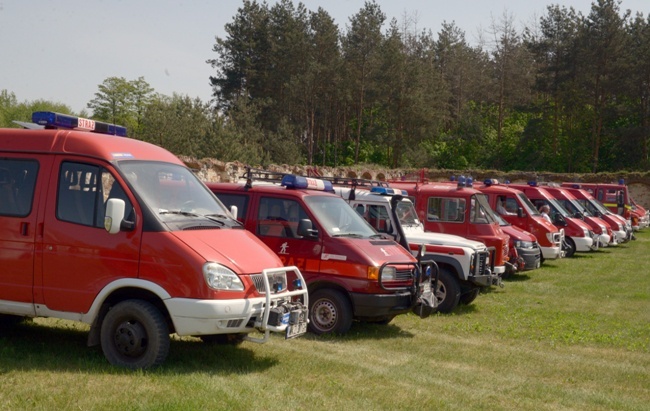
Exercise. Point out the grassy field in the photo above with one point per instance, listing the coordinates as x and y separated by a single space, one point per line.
573 335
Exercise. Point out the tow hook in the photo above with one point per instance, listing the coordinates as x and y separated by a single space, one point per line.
498 281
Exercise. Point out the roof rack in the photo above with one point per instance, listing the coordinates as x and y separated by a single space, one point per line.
355 182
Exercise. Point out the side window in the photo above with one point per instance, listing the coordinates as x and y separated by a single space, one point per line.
17 182
377 217
446 209
279 217
82 194
240 201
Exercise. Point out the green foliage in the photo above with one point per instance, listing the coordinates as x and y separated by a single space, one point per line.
11 110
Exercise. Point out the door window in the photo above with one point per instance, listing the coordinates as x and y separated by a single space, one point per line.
17 182
82 194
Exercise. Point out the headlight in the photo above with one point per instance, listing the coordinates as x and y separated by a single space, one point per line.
587 233
219 277
523 244
388 274
603 228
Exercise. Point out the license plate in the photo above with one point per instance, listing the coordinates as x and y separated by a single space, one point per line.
296 330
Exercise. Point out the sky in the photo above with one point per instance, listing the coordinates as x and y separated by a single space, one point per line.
61 51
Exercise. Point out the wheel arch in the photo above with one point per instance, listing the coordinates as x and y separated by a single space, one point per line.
121 290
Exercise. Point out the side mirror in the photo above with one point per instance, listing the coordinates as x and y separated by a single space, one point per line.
114 215
520 212
559 220
305 229
233 211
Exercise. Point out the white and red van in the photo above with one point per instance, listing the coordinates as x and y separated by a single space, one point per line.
121 235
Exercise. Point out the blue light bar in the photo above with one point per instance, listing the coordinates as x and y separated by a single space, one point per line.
621 181
306 183
461 182
491 181
469 182
387 191
50 119
532 183
576 186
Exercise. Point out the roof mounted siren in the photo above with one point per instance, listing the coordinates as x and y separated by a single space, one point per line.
52 120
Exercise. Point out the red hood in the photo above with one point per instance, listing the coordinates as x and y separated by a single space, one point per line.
517 233
238 249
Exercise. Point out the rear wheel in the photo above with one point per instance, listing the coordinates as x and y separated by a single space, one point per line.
330 312
447 291
134 334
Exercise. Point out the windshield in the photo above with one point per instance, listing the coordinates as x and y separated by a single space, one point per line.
501 221
528 205
338 218
595 206
575 208
407 214
171 190
480 211
558 208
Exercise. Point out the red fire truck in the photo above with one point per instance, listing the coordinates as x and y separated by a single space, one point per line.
516 208
617 198
577 234
352 272
620 227
457 209
602 230
120 234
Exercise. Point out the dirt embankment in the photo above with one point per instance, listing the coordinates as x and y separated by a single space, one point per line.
214 171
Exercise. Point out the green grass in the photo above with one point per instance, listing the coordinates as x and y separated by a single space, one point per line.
573 335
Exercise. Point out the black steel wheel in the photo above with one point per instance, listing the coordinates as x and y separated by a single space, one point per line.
330 312
134 334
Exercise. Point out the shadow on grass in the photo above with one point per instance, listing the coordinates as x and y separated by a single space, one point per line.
30 346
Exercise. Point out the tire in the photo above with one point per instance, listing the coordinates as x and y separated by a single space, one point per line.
569 247
330 312
135 335
447 291
223 339
8 321
469 296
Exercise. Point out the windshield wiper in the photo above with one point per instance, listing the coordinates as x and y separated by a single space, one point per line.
354 235
178 212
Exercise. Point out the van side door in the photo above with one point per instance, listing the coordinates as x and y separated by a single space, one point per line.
20 177
79 256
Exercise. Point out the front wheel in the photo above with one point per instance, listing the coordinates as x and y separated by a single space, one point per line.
569 247
330 312
469 296
135 335
447 291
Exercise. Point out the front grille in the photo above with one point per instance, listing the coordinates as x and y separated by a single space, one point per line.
403 275
235 323
481 263
277 282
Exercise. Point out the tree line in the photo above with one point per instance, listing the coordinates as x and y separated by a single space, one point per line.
569 93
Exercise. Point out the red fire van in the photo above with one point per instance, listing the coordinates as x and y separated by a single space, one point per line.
516 208
119 234
457 209
577 234
352 272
